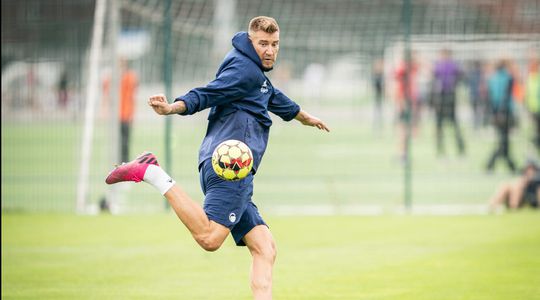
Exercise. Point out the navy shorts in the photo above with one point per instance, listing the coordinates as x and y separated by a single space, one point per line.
229 202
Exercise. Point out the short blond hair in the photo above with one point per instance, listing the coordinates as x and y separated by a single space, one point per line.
263 23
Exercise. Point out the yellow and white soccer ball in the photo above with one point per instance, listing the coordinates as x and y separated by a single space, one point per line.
232 160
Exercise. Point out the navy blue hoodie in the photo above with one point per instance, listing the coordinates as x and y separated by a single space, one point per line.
239 97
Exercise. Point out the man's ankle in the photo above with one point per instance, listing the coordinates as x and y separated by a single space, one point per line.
158 178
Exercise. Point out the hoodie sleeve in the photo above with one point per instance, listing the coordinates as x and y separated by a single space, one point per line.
282 106
231 84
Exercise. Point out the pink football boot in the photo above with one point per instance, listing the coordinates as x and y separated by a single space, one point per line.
133 170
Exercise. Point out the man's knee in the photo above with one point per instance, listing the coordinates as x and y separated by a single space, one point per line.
208 243
268 252
212 237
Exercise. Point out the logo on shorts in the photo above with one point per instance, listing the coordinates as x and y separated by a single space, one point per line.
232 217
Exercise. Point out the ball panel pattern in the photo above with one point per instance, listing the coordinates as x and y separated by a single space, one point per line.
232 160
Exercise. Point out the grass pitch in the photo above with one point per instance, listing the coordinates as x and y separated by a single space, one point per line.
339 257
47 256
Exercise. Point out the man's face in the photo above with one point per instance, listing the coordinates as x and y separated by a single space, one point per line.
267 46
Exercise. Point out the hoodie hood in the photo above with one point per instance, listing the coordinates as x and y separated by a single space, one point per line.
242 43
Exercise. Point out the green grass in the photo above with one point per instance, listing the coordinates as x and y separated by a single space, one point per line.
385 257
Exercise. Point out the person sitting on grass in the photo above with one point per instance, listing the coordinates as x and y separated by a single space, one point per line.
523 191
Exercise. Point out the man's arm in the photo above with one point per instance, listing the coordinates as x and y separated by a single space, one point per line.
306 119
232 83
162 107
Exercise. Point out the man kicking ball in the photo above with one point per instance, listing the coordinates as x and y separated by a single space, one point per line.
240 98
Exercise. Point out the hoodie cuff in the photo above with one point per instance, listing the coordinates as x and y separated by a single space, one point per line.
191 103
293 114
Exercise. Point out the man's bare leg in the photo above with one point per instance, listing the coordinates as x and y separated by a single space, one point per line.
263 250
208 234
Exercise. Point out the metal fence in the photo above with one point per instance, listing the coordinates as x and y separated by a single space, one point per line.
330 54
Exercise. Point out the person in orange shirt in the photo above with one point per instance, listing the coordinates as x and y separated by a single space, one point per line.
532 100
128 89
406 90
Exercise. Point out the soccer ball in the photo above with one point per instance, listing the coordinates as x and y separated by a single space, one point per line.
232 160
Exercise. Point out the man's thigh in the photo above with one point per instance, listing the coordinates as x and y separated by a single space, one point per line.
260 239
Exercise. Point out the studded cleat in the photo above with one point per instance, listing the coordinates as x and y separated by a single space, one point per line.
133 170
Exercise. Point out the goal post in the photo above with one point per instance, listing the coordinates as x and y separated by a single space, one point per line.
91 97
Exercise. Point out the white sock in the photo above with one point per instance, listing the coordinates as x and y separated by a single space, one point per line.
158 178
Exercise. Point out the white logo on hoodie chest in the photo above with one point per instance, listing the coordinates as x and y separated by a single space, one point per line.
264 87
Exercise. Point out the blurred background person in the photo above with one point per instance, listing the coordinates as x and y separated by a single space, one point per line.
518 89
32 86
128 90
106 78
477 92
533 100
406 79
490 67
519 192
446 75
377 79
63 90
502 108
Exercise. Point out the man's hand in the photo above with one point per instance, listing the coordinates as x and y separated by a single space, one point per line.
309 120
161 106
